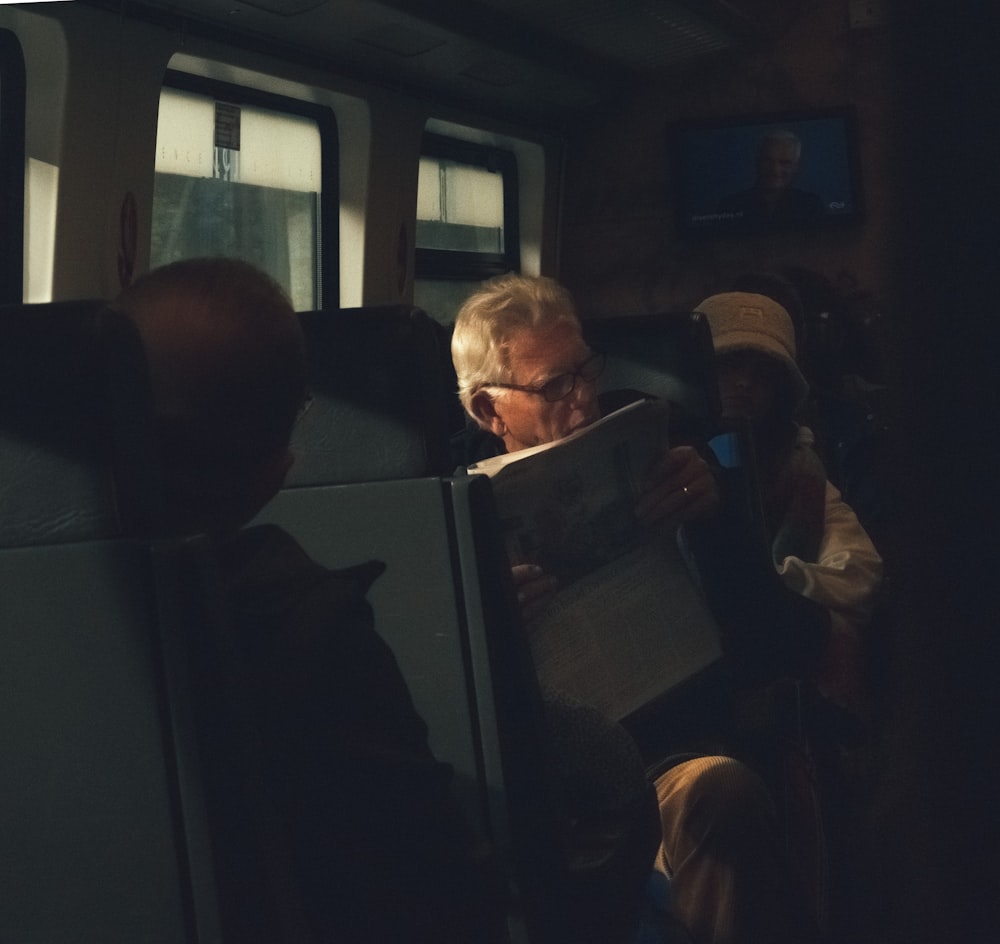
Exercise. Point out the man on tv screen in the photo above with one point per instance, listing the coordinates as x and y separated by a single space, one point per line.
772 202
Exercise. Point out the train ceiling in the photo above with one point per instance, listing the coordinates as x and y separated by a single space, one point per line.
540 59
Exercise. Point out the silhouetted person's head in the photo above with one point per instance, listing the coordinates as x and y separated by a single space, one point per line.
227 367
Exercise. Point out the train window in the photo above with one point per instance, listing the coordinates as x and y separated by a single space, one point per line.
467 228
12 90
247 174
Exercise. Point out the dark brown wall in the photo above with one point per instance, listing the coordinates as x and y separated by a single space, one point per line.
620 252
926 91
940 817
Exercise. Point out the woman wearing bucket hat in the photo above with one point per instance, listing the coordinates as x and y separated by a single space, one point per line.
820 549
820 552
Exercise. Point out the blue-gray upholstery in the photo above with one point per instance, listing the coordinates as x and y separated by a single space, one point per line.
96 845
445 606
379 400
667 355
72 414
369 452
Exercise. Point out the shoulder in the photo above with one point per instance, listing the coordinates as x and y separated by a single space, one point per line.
265 562
282 601
309 634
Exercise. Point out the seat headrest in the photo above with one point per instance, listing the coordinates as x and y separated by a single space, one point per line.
379 399
74 408
667 355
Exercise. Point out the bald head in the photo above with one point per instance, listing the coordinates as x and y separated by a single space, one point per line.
225 352
227 367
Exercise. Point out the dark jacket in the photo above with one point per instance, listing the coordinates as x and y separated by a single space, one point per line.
352 800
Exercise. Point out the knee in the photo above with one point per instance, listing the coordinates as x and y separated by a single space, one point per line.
712 793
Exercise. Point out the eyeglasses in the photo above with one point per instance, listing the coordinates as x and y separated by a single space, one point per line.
561 386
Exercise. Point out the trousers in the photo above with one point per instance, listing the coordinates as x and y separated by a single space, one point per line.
731 877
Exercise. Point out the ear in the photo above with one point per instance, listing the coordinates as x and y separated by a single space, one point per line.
484 411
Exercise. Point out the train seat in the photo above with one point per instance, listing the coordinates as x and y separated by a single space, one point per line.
378 398
95 847
71 398
369 452
668 355
366 483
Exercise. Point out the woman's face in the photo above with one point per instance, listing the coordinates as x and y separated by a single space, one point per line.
748 384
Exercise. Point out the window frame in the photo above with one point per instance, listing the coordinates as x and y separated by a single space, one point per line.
329 198
464 266
13 85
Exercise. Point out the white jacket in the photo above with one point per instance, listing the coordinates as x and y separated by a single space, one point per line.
844 579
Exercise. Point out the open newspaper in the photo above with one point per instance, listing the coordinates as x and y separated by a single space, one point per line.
627 625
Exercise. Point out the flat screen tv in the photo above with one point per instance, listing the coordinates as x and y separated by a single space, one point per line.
781 172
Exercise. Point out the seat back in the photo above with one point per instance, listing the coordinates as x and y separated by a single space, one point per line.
406 524
96 847
379 399
456 416
444 605
363 485
73 403
667 355
522 811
